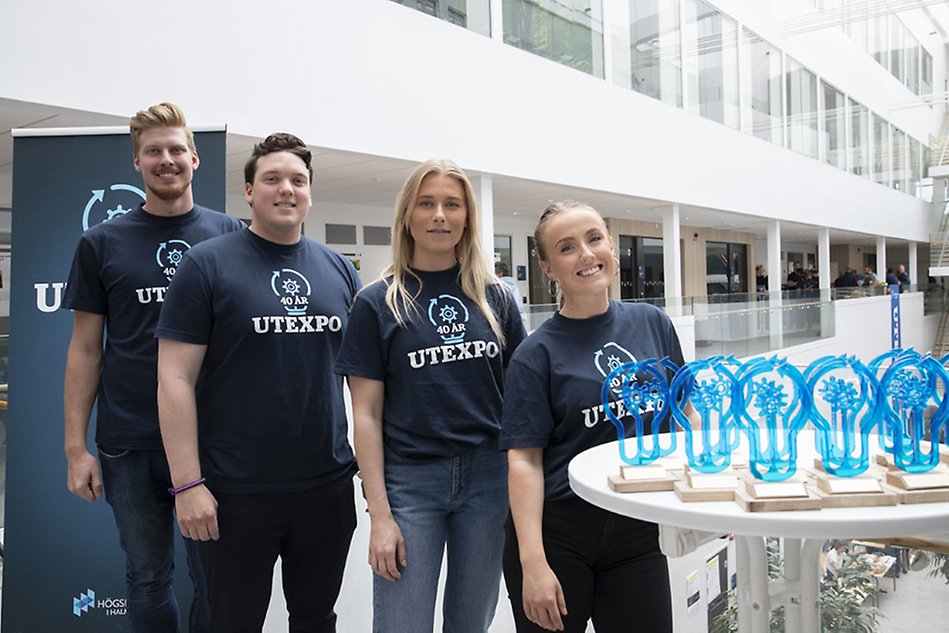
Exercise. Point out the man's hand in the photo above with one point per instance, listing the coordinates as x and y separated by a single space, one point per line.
82 476
197 514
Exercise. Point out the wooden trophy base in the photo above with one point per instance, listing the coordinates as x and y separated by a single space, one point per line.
696 486
754 495
854 492
642 479
931 487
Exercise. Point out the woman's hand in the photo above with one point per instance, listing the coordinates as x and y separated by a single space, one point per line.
544 603
386 548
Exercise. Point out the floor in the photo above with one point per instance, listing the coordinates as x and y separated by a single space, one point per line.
919 604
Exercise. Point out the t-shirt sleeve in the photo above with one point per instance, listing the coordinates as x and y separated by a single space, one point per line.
186 314
526 419
361 353
84 289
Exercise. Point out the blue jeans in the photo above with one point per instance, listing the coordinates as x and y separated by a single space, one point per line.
459 501
136 485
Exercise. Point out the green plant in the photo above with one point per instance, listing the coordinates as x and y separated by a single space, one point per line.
844 607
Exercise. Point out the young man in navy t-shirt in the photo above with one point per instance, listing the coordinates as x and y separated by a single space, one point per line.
119 276
252 414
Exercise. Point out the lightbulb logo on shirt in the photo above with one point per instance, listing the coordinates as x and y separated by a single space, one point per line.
449 316
293 290
608 358
169 255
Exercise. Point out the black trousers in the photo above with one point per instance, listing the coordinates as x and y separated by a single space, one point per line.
310 531
609 566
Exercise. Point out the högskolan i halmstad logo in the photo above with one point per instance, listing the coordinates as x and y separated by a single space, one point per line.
449 315
122 198
293 290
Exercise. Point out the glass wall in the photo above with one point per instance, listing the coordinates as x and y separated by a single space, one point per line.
654 52
710 61
471 14
915 172
834 127
726 268
898 155
911 53
802 108
569 32
859 139
881 151
764 100
897 35
879 48
925 72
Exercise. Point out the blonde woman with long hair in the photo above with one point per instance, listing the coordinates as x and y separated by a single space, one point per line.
424 354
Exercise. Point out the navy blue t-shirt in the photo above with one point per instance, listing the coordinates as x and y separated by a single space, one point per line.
442 372
271 417
121 270
552 395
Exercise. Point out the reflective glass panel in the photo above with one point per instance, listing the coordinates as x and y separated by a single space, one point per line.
859 139
802 109
765 94
710 59
655 59
569 32
834 127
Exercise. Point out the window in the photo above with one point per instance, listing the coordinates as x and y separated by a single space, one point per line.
764 100
569 32
710 59
655 58
802 109
834 127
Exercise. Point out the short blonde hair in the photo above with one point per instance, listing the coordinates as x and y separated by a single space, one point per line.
162 115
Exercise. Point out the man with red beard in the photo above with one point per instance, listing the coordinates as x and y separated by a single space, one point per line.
117 284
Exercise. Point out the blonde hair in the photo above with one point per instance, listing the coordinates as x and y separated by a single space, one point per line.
556 208
162 115
475 275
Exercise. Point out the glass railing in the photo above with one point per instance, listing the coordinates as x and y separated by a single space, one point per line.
747 324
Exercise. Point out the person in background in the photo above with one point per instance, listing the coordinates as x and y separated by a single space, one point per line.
425 356
565 560
120 274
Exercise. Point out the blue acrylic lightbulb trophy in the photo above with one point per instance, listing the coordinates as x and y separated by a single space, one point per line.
879 367
760 387
845 408
642 387
708 385
911 385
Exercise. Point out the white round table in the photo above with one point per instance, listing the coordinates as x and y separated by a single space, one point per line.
803 531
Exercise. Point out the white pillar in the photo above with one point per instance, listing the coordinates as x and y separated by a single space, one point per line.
497 20
775 274
881 258
672 253
484 192
823 258
911 264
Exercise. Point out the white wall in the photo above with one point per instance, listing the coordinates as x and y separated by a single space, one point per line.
372 76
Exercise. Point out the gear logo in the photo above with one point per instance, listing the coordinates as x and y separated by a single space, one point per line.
608 358
449 316
169 256
293 290
122 198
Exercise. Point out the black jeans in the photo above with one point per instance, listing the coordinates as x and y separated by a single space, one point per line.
310 531
609 566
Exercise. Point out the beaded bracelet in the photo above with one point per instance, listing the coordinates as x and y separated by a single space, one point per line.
188 486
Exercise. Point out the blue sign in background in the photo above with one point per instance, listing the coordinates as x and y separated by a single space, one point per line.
56 545
895 334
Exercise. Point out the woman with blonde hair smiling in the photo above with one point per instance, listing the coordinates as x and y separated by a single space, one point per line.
567 561
424 354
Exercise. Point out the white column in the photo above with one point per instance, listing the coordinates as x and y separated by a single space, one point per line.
823 258
881 258
497 20
672 254
911 264
775 274
484 192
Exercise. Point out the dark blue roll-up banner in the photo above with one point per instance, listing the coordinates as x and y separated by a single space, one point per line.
63 569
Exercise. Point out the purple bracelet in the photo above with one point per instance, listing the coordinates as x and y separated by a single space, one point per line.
189 486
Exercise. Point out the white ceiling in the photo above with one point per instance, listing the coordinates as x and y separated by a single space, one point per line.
361 179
